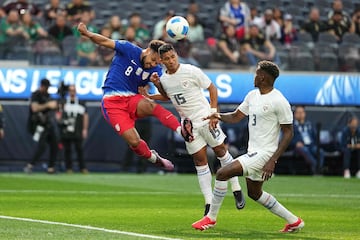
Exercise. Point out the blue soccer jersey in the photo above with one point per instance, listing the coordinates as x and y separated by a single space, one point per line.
126 73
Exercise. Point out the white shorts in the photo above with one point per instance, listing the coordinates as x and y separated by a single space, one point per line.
204 136
253 163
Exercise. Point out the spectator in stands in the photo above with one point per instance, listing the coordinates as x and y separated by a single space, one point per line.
2 120
34 30
86 52
229 45
74 124
236 13
142 33
196 31
42 125
21 6
183 48
75 8
159 26
130 35
268 26
11 27
350 145
254 14
59 30
51 11
85 17
116 28
194 9
256 47
278 16
337 6
305 142
105 54
337 26
314 25
288 31
355 23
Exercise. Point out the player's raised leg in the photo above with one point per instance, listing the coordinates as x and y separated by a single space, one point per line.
147 108
226 159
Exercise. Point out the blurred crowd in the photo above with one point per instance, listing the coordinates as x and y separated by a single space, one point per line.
294 34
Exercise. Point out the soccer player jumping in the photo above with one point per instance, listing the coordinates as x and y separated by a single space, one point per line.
121 104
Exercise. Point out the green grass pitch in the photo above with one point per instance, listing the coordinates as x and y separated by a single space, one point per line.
150 206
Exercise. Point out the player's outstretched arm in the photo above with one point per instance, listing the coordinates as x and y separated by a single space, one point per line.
96 38
143 91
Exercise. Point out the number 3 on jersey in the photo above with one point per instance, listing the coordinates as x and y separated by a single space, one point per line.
253 120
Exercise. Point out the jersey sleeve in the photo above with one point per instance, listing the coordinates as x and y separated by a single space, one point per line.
123 46
284 112
244 106
203 80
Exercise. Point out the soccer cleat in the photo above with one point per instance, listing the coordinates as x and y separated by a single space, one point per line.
347 174
358 174
51 170
204 223
207 208
186 130
28 168
162 162
239 199
294 227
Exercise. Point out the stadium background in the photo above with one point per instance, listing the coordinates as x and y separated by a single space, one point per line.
104 150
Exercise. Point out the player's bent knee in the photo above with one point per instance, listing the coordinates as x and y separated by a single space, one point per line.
222 175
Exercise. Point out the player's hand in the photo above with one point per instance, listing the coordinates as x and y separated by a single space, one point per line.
268 169
82 28
214 120
143 91
154 78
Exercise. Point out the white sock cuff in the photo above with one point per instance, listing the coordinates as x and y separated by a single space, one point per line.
226 159
202 170
267 200
220 188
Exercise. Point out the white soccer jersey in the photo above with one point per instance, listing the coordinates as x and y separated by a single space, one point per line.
185 89
266 112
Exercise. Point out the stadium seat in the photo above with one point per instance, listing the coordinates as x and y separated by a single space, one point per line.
50 58
326 37
68 47
351 38
306 39
301 58
349 57
20 53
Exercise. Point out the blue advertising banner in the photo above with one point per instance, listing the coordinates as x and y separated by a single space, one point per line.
332 89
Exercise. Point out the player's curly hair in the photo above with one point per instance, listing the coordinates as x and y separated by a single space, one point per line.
270 68
155 45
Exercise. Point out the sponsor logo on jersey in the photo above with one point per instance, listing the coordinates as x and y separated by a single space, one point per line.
145 75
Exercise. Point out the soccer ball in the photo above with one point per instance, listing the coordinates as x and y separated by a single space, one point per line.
177 27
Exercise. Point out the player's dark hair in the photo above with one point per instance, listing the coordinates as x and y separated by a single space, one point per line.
155 44
165 48
270 68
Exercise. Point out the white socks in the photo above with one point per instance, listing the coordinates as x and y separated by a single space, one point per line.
220 190
234 181
205 179
268 201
